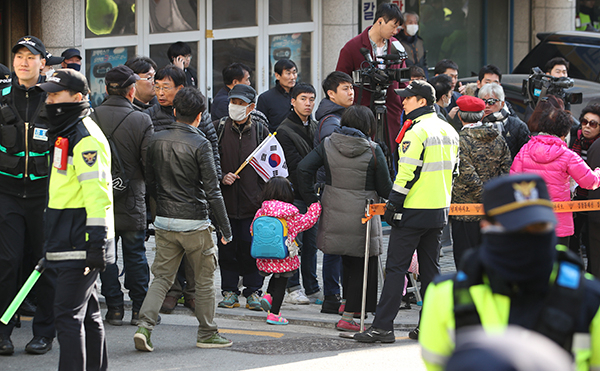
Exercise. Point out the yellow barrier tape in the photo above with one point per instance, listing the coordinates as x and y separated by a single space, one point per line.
477 209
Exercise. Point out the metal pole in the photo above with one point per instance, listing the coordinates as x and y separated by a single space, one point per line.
366 267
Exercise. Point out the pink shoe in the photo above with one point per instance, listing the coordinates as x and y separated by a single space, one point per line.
276 319
266 301
347 326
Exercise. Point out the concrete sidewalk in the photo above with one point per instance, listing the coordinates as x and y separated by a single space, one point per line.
308 315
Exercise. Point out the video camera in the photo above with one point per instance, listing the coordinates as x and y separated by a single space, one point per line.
540 85
378 75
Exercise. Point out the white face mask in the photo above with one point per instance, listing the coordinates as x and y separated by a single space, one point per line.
237 112
446 101
49 73
412 29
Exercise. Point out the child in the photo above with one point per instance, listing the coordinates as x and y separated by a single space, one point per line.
278 196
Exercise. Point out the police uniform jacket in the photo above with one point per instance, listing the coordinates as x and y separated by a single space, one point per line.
80 205
428 156
24 144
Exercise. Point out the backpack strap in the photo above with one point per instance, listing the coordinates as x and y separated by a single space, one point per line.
321 125
220 127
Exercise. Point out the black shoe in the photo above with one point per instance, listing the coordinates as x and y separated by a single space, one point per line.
27 308
6 346
114 316
372 335
414 334
135 318
331 304
39 345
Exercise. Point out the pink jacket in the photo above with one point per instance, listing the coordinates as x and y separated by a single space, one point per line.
549 157
296 223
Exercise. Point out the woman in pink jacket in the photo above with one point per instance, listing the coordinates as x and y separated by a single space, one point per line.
547 154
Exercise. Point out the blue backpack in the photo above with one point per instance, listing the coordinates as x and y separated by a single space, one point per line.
269 236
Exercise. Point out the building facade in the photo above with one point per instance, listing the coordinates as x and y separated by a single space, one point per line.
259 32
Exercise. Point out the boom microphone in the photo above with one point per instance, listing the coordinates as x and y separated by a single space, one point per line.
367 54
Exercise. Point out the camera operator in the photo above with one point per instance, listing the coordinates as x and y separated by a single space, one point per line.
378 40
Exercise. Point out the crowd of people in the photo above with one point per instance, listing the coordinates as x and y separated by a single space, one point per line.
154 153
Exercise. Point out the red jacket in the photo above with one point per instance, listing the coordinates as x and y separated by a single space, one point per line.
351 59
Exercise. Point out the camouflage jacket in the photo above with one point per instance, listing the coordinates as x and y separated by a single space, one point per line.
484 155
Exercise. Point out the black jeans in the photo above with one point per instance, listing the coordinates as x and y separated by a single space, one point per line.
466 235
21 235
403 243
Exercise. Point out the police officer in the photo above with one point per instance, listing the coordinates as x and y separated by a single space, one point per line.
79 220
418 204
24 146
518 277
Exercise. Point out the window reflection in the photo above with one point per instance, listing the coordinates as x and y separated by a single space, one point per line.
98 63
296 47
234 13
225 52
173 15
289 11
109 18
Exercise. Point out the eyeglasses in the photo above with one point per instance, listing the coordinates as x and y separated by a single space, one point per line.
149 79
592 123
491 101
166 89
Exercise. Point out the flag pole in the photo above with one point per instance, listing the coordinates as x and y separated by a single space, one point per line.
260 146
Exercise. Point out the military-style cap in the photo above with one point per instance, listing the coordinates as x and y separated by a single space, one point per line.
65 79
467 103
517 201
243 92
35 45
418 87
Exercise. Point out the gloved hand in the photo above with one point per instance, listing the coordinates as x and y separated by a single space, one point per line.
292 247
390 213
96 256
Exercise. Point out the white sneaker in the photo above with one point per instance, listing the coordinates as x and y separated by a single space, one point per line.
297 297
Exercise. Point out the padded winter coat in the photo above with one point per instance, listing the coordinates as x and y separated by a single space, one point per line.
549 157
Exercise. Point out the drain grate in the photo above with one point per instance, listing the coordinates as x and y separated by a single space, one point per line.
297 345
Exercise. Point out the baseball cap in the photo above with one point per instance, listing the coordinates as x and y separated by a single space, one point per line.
467 103
65 79
70 53
52 60
418 87
243 92
517 201
35 45
120 77
5 76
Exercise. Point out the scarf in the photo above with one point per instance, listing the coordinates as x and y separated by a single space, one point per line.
414 114
497 119
62 116
519 261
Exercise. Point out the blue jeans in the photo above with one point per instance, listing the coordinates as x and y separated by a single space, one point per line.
307 242
332 271
137 273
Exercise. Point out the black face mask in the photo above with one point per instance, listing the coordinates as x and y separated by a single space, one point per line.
62 116
74 66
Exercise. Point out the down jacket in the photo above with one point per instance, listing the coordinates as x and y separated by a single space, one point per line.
549 157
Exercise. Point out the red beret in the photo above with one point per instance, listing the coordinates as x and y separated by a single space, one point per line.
467 103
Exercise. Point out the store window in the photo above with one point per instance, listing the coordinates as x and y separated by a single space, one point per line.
233 13
109 18
100 61
289 11
173 16
158 53
295 47
228 51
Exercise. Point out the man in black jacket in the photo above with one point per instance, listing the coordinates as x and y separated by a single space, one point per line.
24 158
296 135
182 179
275 103
131 131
